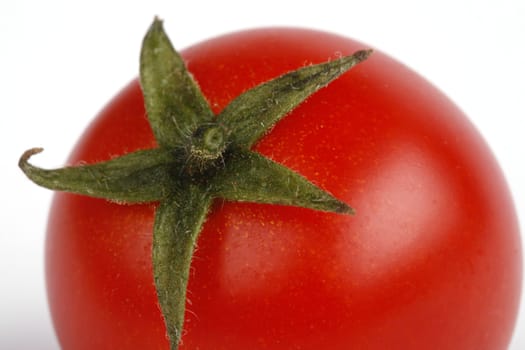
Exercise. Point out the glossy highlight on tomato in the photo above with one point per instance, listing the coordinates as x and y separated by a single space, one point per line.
431 260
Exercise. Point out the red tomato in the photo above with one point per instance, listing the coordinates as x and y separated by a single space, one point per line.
430 261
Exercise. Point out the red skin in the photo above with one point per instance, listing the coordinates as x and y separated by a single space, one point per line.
430 261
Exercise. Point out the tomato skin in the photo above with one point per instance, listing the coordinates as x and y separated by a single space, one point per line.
432 259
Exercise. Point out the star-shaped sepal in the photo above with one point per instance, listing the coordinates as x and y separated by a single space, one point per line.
200 157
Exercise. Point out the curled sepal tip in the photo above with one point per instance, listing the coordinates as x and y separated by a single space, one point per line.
137 177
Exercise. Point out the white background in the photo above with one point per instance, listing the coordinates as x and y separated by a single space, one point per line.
61 61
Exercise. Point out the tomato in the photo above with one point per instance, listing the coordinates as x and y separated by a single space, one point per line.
431 260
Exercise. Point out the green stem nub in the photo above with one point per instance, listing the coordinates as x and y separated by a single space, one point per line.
208 143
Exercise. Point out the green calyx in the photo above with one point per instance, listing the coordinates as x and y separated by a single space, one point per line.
201 156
